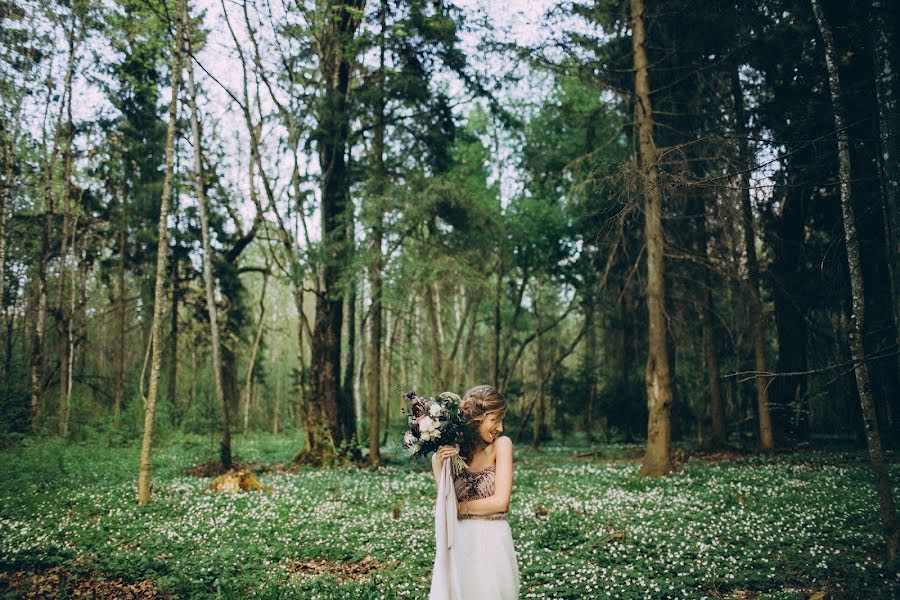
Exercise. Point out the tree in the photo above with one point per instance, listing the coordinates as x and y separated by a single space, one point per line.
861 368
329 420
766 436
657 379
161 262
208 280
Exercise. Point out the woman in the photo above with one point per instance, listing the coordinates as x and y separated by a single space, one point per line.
480 560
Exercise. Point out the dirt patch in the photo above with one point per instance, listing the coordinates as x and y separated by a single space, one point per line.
339 570
57 582
825 592
213 468
717 455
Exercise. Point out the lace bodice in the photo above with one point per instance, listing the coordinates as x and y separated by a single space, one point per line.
475 485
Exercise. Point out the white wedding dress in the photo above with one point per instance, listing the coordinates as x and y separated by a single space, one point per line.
475 558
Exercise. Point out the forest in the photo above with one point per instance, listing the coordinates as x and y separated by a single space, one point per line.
237 231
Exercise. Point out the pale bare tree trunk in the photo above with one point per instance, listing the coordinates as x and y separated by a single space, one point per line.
59 309
434 320
498 324
469 350
766 436
162 253
857 319
70 337
120 320
276 411
537 425
392 326
173 329
252 361
208 280
657 378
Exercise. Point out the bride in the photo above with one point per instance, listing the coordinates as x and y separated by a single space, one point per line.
475 558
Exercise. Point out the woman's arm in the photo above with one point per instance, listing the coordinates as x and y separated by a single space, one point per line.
438 458
499 501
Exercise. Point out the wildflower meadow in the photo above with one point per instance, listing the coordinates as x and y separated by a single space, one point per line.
585 526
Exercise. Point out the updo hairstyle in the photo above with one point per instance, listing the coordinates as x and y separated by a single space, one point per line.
474 407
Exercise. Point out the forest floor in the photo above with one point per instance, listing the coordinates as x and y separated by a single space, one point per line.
798 525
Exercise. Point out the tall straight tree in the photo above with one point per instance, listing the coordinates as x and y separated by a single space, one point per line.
766 436
327 413
857 318
373 354
209 282
159 293
657 378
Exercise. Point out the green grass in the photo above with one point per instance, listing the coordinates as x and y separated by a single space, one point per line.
774 526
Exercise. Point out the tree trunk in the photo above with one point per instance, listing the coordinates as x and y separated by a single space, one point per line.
5 195
788 298
498 324
59 309
37 349
766 436
208 281
540 402
590 360
173 339
162 252
434 317
120 321
276 411
392 326
252 362
302 374
710 344
328 416
657 378
857 319
885 53
373 354
348 358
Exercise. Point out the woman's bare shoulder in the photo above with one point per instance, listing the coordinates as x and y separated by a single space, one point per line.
504 442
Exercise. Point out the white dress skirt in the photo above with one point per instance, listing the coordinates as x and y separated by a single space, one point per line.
480 563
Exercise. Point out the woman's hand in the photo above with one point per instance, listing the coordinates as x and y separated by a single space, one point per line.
445 452
437 462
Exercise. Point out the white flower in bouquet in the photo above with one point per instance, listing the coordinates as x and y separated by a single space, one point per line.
425 436
409 439
436 410
426 425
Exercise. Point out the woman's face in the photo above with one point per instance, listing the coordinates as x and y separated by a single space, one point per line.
491 427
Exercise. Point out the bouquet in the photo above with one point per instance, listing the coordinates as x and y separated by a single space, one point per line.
434 422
